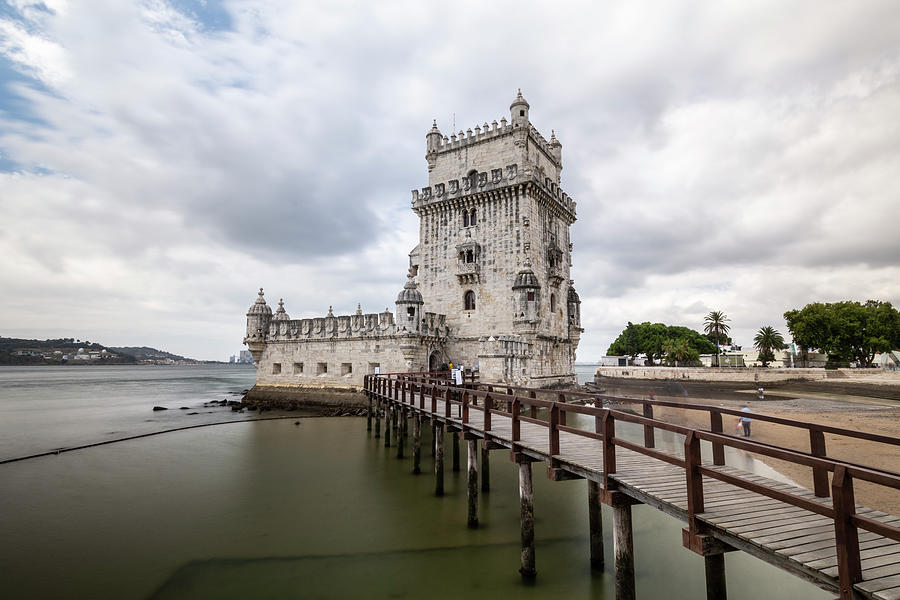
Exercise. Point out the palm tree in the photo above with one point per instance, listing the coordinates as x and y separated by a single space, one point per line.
766 340
716 323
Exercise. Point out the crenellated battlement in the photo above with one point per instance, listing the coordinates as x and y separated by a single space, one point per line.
486 181
372 325
488 132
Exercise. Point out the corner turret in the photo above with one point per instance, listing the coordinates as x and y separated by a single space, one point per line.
432 144
518 111
258 318
527 291
409 306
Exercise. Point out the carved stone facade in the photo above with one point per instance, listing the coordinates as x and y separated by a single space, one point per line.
492 270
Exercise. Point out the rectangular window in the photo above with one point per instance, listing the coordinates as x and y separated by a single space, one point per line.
346 368
373 367
276 368
298 368
321 368
531 296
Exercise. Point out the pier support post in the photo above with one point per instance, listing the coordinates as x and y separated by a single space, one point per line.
623 548
387 424
369 412
395 418
472 481
455 451
526 503
715 577
417 444
433 436
485 468
439 459
595 519
401 438
377 420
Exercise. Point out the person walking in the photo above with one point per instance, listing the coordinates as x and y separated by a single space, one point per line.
745 421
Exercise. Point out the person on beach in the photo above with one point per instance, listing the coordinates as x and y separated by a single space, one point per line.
745 421
760 393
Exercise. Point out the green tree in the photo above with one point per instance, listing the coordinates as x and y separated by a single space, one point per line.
716 324
846 331
680 352
767 340
651 339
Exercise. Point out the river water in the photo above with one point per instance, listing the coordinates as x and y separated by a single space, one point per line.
303 507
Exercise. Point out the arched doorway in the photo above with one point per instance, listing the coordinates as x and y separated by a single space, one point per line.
434 361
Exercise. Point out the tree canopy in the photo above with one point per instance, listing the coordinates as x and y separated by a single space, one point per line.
716 324
767 340
661 342
846 331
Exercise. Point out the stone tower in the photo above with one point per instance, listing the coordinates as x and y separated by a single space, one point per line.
494 254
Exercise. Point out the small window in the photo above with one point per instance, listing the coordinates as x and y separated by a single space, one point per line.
469 300
346 368
530 296
276 368
321 368
521 113
410 312
373 367
552 302
298 368
472 220
470 256
465 218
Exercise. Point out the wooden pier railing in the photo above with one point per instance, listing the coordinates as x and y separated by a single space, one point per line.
500 415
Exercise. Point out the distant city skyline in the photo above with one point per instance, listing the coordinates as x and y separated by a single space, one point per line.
160 161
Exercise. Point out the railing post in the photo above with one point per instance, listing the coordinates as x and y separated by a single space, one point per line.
715 425
465 407
532 409
447 395
421 397
820 474
561 399
608 430
433 399
403 391
554 429
509 392
488 405
845 534
649 438
516 423
694 479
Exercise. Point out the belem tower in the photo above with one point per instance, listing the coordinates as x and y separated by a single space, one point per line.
488 286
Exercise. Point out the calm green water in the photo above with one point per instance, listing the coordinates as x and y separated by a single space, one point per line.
316 510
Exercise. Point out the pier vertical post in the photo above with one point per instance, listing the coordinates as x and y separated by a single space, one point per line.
387 424
417 444
377 418
485 468
623 548
401 438
455 452
472 482
526 504
395 420
439 459
433 435
715 577
595 520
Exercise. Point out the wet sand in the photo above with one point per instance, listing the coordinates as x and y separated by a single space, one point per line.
861 413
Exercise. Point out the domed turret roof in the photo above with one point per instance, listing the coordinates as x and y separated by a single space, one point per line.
526 279
519 101
410 293
573 296
280 314
260 307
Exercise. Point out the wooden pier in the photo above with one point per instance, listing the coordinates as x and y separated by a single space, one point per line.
821 535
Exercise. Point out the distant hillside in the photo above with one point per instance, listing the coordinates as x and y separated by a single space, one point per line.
18 351
146 353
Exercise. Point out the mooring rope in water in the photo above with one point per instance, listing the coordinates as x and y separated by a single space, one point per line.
135 437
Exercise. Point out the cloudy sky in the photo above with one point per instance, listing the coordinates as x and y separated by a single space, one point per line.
160 160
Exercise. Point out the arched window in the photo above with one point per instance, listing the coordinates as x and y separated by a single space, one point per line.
472 218
469 300
465 218
470 256
553 303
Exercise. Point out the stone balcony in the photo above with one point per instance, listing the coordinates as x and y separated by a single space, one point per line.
557 276
468 272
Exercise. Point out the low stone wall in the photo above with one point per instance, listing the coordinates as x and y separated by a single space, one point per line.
292 397
743 375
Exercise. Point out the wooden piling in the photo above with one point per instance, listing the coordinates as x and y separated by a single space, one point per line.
417 444
433 436
387 424
401 438
623 549
472 482
369 412
715 577
456 452
526 503
377 419
595 520
439 459
485 469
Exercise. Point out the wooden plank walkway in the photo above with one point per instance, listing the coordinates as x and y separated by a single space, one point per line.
787 536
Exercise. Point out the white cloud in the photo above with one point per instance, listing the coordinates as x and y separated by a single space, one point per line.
734 156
